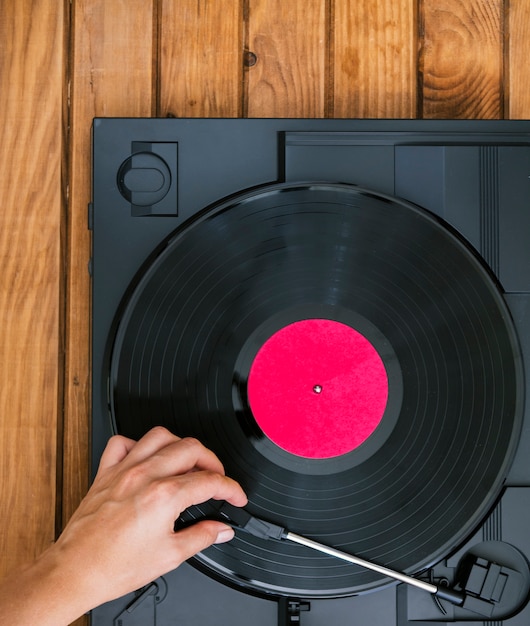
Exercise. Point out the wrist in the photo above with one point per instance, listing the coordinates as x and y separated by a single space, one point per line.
46 592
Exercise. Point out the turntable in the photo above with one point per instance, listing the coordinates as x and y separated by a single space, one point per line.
340 309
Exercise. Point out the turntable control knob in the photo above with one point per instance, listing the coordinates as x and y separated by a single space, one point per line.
144 179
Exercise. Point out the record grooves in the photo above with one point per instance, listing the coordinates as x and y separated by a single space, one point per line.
242 270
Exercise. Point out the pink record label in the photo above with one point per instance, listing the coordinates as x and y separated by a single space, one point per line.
318 388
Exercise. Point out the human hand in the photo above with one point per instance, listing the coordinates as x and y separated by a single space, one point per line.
122 535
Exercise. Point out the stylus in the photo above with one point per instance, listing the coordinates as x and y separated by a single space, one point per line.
242 520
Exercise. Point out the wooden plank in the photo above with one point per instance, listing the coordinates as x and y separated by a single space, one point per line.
517 84
112 75
113 55
461 58
288 75
31 137
200 58
374 59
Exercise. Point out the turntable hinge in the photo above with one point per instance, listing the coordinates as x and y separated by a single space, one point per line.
142 609
289 611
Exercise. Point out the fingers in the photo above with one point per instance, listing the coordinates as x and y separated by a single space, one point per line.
198 487
189 541
141 489
162 448
151 443
185 471
164 454
183 456
117 449
160 444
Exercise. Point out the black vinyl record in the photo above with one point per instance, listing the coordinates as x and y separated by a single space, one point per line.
239 272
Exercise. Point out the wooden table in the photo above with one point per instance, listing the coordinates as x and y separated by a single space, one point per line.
62 63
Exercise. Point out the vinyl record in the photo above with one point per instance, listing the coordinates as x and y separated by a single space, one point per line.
279 286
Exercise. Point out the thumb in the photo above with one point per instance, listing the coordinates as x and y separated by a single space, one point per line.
200 536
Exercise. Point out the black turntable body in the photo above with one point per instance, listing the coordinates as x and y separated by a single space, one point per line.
340 309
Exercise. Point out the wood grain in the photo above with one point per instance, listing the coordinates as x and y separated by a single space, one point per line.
113 49
200 58
374 59
31 140
289 41
517 94
112 75
461 58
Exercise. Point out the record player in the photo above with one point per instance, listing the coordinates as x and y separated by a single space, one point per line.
340 309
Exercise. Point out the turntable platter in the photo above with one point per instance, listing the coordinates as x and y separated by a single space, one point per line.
190 353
